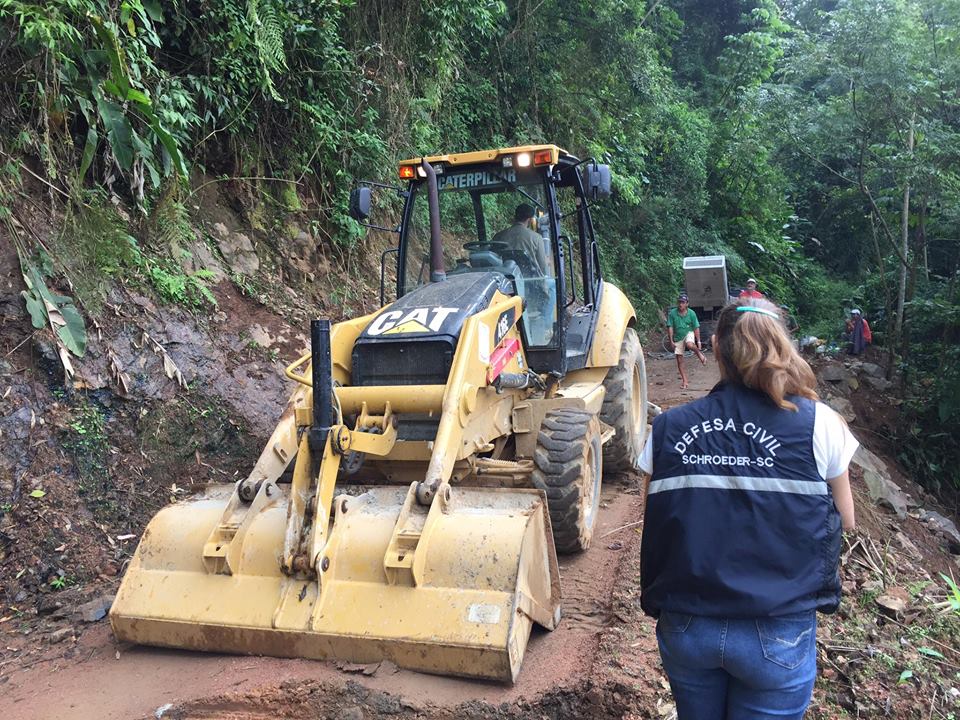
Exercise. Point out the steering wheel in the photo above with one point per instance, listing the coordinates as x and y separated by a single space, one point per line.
497 247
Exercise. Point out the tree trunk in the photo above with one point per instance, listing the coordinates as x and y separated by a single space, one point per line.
922 238
904 244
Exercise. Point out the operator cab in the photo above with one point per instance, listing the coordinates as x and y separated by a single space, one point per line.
522 213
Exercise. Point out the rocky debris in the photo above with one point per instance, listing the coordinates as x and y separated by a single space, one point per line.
834 373
300 259
96 609
387 667
202 258
842 406
944 527
48 605
60 635
894 601
878 383
260 336
881 487
17 425
351 713
211 360
871 369
237 250
912 551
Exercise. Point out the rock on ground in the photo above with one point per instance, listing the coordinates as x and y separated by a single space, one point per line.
834 373
881 487
842 406
237 250
945 527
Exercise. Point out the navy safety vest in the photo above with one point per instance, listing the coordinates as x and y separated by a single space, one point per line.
738 522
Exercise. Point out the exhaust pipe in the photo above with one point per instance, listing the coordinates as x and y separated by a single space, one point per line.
322 377
437 273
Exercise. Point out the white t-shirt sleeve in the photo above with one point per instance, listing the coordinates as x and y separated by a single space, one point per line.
833 443
645 461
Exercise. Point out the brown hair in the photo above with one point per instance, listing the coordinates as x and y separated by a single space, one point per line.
753 349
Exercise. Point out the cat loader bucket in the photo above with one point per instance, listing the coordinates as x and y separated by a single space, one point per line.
479 572
451 586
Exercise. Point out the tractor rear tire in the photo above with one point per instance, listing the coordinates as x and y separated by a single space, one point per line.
568 467
625 406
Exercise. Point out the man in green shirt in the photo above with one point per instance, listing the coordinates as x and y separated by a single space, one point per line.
683 329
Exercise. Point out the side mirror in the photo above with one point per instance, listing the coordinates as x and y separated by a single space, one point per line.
596 181
360 203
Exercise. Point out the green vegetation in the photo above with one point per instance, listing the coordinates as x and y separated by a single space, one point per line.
85 438
814 143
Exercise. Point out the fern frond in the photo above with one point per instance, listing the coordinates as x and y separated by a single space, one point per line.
268 38
170 222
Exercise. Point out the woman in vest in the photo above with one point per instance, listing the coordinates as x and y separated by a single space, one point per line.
748 489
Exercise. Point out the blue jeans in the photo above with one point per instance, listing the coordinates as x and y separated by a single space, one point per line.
729 669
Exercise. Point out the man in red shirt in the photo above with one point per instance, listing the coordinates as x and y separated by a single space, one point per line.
751 290
859 331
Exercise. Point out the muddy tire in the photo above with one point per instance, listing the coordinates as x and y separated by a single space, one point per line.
625 406
568 467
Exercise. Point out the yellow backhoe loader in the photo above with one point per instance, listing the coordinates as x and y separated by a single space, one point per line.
435 455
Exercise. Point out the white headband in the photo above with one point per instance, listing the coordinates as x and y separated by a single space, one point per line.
764 311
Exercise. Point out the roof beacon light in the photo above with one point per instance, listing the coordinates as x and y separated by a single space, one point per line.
543 157
407 172
523 160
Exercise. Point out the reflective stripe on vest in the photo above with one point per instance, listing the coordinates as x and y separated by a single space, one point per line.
737 482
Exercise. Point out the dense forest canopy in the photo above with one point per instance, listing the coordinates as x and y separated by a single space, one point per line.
814 143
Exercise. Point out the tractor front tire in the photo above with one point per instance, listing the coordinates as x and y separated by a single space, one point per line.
568 467
625 406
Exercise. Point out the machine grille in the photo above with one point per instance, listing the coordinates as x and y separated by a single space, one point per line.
402 363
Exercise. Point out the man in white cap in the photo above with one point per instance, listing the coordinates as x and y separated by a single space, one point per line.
751 290
859 330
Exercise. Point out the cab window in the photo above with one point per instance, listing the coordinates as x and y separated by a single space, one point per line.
490 222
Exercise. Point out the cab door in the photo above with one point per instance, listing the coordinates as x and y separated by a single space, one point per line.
581 268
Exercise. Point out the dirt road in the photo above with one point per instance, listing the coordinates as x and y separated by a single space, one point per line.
601 661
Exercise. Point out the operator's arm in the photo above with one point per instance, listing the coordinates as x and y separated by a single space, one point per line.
542 257
533 249
843 498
